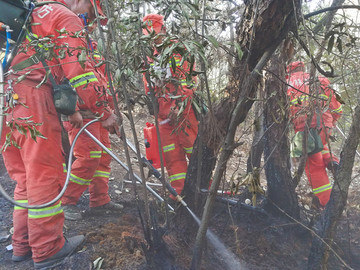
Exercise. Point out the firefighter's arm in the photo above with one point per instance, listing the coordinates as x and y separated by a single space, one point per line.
76 119
335 106
183 73
111 124
81 75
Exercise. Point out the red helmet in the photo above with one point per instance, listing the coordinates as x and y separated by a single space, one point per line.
294 65
153 22
324 82
100 11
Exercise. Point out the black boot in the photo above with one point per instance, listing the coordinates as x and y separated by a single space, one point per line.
69 247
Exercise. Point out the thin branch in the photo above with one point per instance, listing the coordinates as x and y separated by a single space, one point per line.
309 15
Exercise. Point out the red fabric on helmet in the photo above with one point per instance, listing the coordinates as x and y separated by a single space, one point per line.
154 22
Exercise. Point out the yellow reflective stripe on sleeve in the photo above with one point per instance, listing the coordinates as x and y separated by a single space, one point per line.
102 174
19 207
95 154
178 176
322 188
301 98
45 212
338 110
188 150
65 169
325 152
80 181
177 61
169 147
83 79
323 97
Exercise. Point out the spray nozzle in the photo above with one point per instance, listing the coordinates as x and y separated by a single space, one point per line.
5 27
180 200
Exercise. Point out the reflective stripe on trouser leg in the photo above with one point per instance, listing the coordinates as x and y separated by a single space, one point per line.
88 156
44 175
322 188
175 157
99 186
318 178
177 181
45 212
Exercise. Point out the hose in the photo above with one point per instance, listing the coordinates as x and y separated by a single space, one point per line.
8 37
123 165
83 129
6 196
2 96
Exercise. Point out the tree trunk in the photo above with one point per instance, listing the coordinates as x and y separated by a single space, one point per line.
281 189
326 225
264 25
257 146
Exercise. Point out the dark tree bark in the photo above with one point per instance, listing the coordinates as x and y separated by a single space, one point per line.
326 225
263 26
281 189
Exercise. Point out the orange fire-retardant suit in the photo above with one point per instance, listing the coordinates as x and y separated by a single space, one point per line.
177 137
317 163
37 167
92 165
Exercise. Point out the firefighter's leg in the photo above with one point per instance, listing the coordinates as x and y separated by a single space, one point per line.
328 157
43 163
175 157
188 137
99 185
16 170
318 178
88 155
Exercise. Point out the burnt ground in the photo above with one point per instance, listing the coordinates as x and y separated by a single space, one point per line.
258 240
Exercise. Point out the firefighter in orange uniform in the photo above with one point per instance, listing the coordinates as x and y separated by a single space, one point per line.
177 133
317 163
38 167
91 169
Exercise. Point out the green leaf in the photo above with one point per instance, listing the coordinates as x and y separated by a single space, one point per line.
113 48
196 106
15 144
240 53
32 133
331 43
117 77
339 44
21 129
82 58
100 46
213 41
173 63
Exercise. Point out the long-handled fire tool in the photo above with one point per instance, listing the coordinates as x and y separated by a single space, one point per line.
123 164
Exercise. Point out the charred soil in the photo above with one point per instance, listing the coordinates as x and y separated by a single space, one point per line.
258 239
